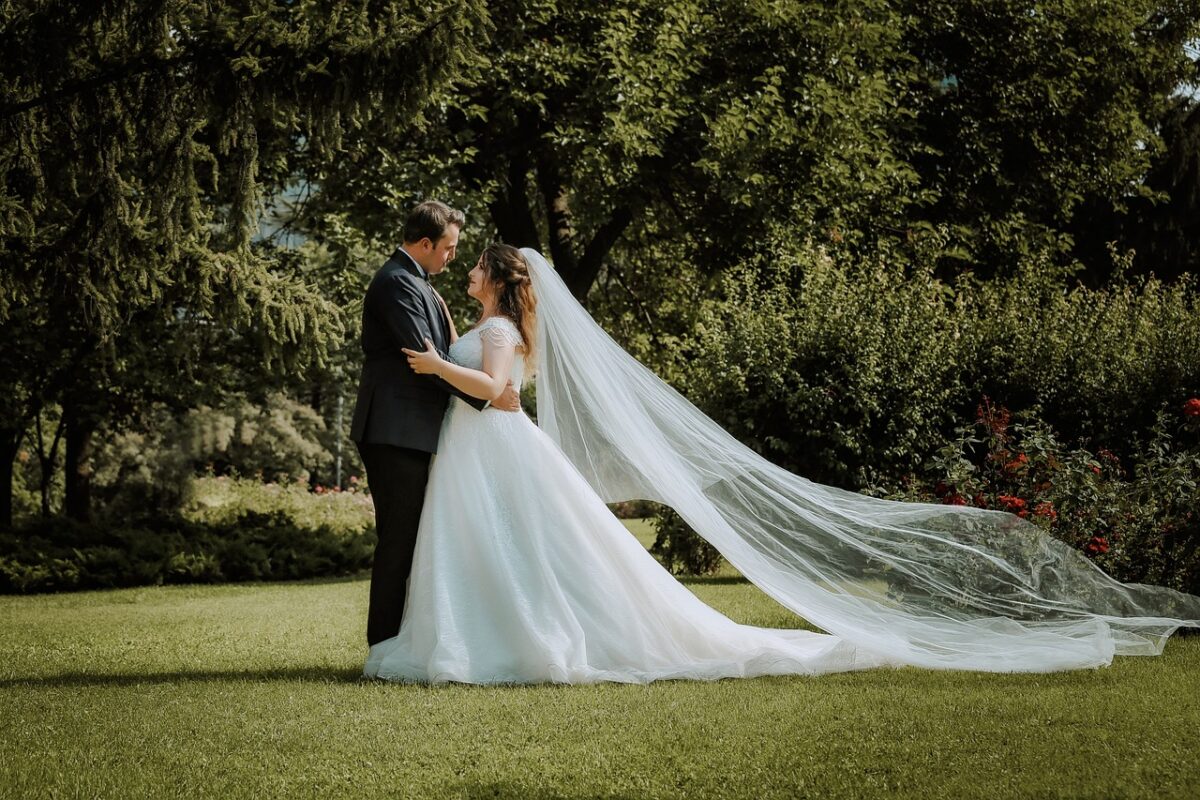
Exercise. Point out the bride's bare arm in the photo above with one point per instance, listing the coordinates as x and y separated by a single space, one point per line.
487 383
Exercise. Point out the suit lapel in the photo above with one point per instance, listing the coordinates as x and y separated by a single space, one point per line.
439 326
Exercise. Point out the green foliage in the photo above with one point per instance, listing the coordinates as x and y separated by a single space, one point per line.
1137 518
221 500
1098 362
829 368
678 547
125 126
152 465
1029 110
228 530
138 144
1162 225
846 370
590 126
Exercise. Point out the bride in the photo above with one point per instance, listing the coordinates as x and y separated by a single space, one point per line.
522 575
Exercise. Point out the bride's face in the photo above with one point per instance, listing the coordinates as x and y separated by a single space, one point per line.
480 287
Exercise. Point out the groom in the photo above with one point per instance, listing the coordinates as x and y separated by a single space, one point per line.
399 413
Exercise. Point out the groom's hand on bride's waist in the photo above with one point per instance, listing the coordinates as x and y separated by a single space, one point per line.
508 400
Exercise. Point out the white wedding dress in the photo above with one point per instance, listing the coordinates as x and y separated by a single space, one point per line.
522 575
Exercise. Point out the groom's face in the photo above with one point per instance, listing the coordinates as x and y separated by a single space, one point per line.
439 254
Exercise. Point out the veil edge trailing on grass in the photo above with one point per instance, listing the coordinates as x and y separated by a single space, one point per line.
929 585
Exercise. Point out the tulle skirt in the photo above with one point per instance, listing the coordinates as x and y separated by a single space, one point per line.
521 574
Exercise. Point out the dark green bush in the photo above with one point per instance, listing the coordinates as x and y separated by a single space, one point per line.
678 547
855 373
57 554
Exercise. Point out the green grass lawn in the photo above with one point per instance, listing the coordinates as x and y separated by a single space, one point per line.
253 690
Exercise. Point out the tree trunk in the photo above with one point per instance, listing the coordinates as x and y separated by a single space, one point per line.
46 460
578 271
558 214
78 467
510 210
10 442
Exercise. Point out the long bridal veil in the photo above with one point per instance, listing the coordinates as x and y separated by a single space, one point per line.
916 583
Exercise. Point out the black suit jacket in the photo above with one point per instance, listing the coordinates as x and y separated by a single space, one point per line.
395 405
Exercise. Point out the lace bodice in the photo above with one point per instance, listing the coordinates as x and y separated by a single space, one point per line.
468 350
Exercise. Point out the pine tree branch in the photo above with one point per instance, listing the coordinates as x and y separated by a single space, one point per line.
128 70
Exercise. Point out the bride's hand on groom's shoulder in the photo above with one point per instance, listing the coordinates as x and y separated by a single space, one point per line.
426 362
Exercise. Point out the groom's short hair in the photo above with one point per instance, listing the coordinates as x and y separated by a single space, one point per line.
430 220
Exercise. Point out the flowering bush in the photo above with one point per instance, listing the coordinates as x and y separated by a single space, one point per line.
1138 518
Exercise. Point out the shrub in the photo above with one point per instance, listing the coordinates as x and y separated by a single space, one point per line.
1138 518
223 500
679 548
232 530
151 465
855 373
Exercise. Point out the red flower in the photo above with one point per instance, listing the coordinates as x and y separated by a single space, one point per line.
1011 503
996 419
1094 468
1046 509
1097 545
1023 513
955 499
1192 407
981 501
1017 463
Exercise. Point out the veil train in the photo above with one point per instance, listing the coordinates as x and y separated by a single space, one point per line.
930 585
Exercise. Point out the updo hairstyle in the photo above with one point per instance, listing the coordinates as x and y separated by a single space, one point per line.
507 269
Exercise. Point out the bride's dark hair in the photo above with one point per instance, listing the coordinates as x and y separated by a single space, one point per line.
505 265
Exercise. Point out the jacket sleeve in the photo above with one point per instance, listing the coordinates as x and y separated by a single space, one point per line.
402 310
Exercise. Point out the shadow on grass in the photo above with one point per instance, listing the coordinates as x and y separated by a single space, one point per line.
711 580
297 674
884 678
477 791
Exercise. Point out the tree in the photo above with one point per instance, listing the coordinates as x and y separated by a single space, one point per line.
1162 227
1037 114
137 143
592 124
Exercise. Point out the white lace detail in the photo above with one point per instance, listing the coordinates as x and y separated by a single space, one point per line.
495 332
501 331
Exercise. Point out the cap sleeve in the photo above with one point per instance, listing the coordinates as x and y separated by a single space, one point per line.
500 331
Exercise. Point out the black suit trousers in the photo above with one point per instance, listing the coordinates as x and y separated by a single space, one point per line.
397 478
